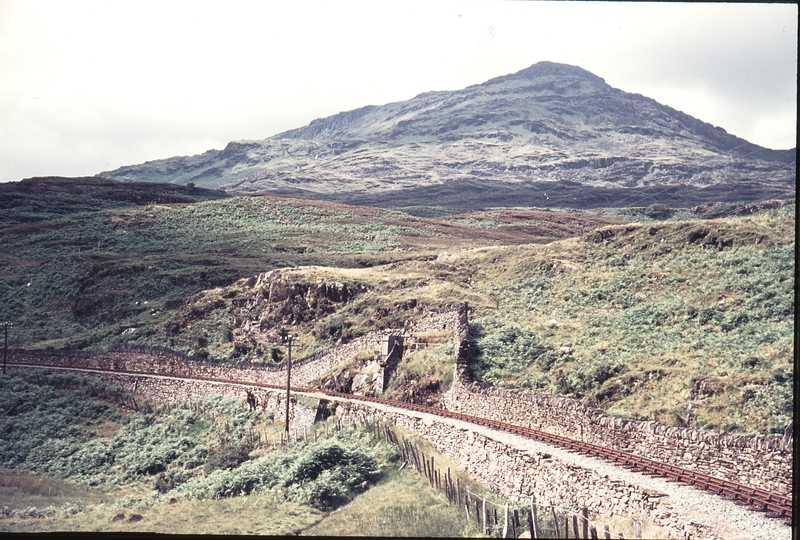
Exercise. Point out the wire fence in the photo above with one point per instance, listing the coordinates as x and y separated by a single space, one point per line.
501 519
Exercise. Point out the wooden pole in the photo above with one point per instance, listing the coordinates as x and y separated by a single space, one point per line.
530 525
458 490
575 525
288 384
637 529
585 521
566 526
555 521
514 524
505 523
534 523
593 532
606 532
485 526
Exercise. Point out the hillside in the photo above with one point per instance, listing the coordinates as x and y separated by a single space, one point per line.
688 323
685 316
87 269
551 135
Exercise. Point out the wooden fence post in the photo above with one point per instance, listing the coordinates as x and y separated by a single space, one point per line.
637 529
555 521
449 483
514 519
530 524
505 523
458 490
575 526
483 514
593 532
534 524
566 527
585 521
606 532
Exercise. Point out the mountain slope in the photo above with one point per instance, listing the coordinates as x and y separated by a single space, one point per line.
548 129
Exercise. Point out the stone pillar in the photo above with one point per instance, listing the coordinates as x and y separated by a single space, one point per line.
391 354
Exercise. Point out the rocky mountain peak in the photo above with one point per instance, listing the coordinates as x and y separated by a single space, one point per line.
550 134
548 70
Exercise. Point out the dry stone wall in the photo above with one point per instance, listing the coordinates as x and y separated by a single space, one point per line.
515 473
302 410
156 361
763 462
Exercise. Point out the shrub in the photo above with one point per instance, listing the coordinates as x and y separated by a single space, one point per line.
658 212
229 455
325 474
511 349
169 480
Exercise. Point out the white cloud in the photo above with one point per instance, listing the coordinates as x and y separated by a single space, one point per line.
94 85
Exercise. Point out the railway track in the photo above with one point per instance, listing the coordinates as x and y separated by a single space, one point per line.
778 506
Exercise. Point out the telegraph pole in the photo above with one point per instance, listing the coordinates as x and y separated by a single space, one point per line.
288 384
5 346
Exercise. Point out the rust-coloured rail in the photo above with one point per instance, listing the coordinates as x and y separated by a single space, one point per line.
778 505
762 500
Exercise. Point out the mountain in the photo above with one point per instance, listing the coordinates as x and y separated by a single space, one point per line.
549 135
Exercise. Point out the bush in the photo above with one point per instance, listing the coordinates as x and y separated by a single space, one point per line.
511 349
325 474
169 480
658 212
229 455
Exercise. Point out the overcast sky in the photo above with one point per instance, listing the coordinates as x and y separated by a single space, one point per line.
89 86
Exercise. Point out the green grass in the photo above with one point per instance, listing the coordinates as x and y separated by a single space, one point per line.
171 471
101 267
640 314
634 322
401 504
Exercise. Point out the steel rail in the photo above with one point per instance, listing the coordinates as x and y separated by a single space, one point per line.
759 499
779 505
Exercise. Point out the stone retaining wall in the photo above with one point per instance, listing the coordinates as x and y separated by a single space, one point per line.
760 461
514 473
302 409
763 462
164 362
